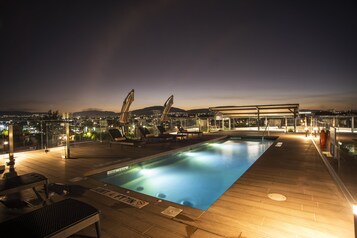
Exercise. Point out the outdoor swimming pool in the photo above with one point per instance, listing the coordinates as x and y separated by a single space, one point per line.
196 177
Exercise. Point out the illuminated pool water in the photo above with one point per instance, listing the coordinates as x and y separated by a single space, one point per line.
195 178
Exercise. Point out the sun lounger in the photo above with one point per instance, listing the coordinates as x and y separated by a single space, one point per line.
147 136
60 219
118 138
183 131
175 136
22 182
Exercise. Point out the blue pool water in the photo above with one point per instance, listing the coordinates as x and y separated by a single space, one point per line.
195 178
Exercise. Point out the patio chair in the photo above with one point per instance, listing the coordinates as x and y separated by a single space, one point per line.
149 137
59 219
118 138
23 182
181 130
163 131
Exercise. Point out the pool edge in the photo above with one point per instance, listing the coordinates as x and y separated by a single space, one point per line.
148 158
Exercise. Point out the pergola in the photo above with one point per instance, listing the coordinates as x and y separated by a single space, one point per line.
258 111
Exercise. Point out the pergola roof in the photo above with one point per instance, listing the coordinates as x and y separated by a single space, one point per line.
257 110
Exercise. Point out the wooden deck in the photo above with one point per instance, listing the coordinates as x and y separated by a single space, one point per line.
314 206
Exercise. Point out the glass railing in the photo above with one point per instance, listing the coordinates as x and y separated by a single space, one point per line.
342 157
45 134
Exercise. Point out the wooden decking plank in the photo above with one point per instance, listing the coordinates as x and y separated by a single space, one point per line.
113 214
150 215
163 233
204 234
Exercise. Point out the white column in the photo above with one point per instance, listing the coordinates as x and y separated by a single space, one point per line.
258 120
208 125
295 119
352 123
334 121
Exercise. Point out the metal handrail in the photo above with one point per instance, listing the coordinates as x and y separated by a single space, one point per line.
266 128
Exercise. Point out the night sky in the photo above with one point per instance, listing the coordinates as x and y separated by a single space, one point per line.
75 55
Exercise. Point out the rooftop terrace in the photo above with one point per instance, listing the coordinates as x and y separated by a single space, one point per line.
315 207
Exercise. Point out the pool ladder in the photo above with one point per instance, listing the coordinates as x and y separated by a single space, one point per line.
265 130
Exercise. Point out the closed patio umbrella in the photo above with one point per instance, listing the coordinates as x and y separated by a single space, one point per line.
125 108
166 110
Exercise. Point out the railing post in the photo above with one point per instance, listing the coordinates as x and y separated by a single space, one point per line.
11 146
66 117
11 162
67 150
41 135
